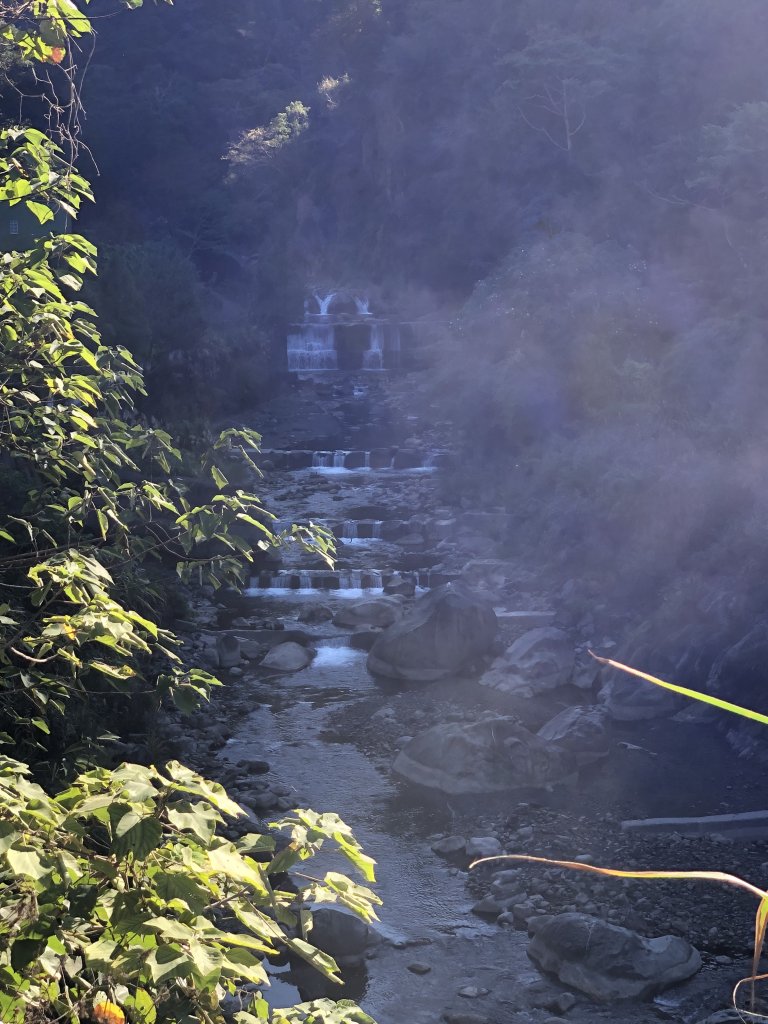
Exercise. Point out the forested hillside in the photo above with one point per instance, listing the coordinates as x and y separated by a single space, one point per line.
555 212
579 187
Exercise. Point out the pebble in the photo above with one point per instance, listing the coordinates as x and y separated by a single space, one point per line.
472 992
487 907
417 967
255 765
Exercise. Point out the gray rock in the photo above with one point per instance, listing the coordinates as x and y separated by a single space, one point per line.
368 611
255 765
288 657
580 732
472 992
399 585
228 651
364 638
493 755
543 996
739 675
488 574
265 801
487 907
443 633
209 657
342 935
541 659
627 699
484 846
586 672
419 968
314 614
608 962
451 846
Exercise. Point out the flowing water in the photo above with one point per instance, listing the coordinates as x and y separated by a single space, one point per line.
425 915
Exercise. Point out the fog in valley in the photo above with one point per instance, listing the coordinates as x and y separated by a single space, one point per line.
489 278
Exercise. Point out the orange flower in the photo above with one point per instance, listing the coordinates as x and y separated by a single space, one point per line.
107 1013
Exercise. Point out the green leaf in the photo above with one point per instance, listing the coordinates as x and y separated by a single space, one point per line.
138 838
322 962
219 478
166 963
26 862
198 818
142 1007
99 955
207 963
226 860
40 210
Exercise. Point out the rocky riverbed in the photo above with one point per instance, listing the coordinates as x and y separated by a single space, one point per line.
515 743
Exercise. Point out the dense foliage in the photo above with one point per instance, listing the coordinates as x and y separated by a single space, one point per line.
119 897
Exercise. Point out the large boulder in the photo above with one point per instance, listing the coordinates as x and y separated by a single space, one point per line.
541 659
738 675
581 733
608 962
628 699
288 657
443 633
228 651
368 611
660 646
342 935
493 755
397 584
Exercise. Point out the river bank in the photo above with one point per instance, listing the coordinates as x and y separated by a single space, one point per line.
326 736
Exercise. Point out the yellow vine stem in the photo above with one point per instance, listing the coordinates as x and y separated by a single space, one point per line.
761 920
705 698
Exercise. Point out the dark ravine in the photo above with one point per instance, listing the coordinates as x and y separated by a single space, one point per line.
326 736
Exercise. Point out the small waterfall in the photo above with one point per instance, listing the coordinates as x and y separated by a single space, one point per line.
394 338
339 459
322 460
324 302
373 359
367 460
330 338
312 348
349 530
283 582
376 529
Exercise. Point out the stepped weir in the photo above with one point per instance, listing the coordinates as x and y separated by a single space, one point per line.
339 332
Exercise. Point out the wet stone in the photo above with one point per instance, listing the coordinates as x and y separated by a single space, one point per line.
488 907
451 846
472 992
419 968
254 766
484 846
